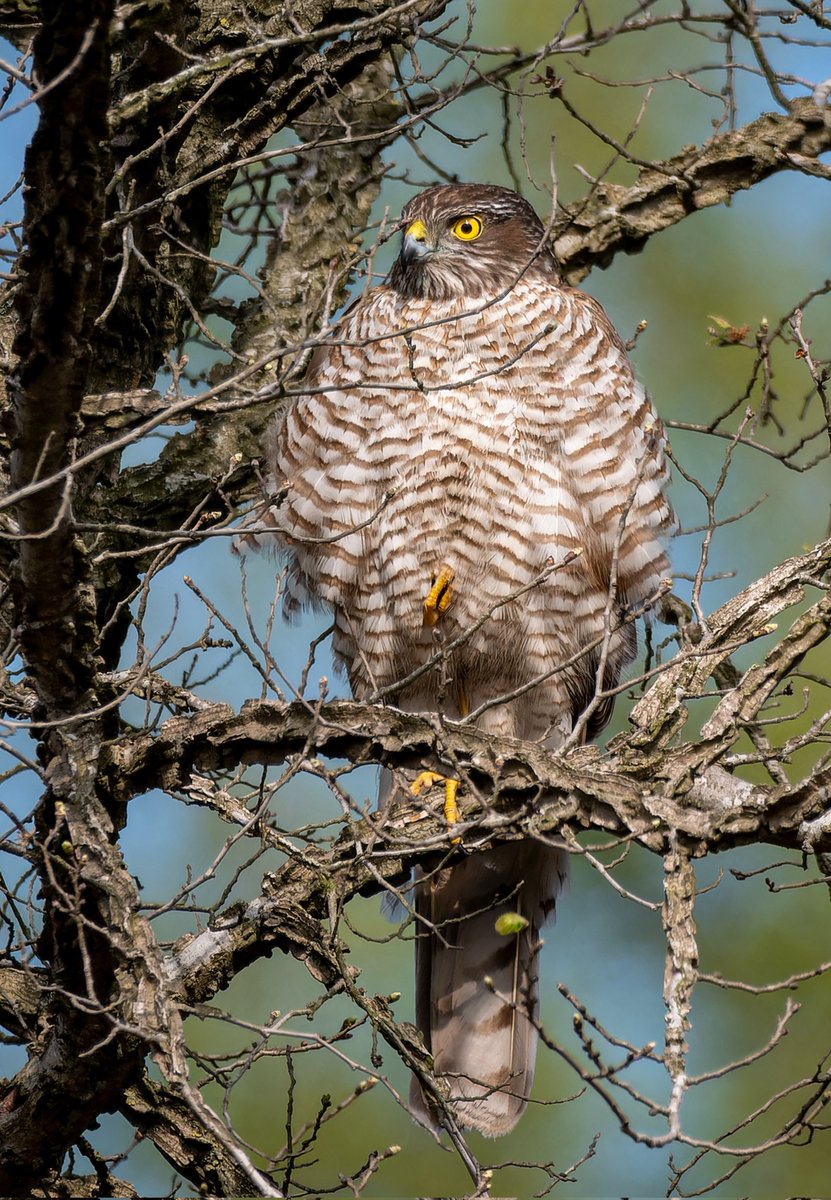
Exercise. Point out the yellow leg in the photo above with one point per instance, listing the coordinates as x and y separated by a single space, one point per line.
440 597
451 787
451 807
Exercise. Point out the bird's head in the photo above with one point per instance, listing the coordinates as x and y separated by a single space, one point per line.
469 239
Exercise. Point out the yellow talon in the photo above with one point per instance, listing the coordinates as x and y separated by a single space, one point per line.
451 787
425 780
440 597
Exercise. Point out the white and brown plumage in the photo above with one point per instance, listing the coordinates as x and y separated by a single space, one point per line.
469 424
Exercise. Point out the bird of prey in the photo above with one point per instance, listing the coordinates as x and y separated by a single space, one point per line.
473 465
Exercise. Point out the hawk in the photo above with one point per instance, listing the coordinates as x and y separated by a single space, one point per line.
474 479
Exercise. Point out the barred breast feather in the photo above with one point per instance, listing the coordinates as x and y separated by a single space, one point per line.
431 433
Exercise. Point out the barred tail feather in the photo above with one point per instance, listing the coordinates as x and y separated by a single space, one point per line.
477 993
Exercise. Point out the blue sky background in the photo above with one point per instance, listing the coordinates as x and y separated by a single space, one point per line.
753 260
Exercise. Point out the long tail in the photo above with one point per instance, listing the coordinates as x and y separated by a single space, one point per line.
477 988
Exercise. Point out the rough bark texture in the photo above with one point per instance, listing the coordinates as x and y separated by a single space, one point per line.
65 180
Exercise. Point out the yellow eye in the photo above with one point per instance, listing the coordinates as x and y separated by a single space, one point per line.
468 228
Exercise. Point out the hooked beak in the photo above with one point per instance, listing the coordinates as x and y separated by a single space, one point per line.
417 242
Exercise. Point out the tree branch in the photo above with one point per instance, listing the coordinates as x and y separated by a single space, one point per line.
648 780
617 219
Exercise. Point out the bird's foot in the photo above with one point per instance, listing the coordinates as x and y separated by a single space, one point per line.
440 596
451 787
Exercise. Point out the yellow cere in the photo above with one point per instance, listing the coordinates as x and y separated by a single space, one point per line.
468 228
418 231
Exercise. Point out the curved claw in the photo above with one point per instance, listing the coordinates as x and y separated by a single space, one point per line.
440 596
451 787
